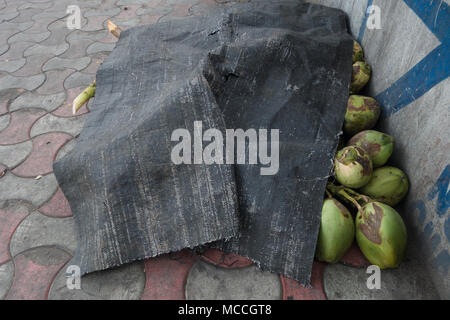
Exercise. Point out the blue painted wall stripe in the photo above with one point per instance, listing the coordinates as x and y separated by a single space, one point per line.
440 189
363 27
433 69
429 72
435 14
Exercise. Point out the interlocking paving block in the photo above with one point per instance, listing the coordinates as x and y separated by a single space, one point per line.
97 60
123 283
58 33
27 83
16 49
406 282
8 15
101 12
59 63
38 5
4 121
100 47
292 290
51 123
354 257
225 260
6 278
76 35
15 27
14 154
40 161
206 281
33 65
78 79
129 2
95 23
57 206
19 126
54 81
202 7
179 10
125 24
36 191
3 48
12 212
11 65
39 25
127 12
39 49
33 100
25 15
6 96
40 230
160 10
77 48
150 19
34 272
166 275
29 37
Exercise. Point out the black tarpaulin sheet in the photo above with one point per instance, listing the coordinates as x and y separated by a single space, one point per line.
260 65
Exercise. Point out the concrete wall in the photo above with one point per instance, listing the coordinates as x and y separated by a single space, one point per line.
410 57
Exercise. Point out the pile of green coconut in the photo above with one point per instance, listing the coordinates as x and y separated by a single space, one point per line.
361 195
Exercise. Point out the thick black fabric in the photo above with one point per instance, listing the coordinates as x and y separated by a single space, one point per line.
262 65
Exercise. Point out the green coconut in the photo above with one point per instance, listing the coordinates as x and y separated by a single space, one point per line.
358 53
353 167
388 185
336 233
379 145
381 235
362 114
360 76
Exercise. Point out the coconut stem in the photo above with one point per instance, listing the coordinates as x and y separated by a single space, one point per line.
83 97
328 193
89 92
341 192
114 29
359 197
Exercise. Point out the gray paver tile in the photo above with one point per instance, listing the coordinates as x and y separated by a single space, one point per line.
206 281
40 230
32 66
51 123
14 154
11 65
125 282
39 49
27 83
60 63
406 282
101 12
34 191
16 50
54 81
29 37
97 47
4 121
6 278
78 79
25 15
33 100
